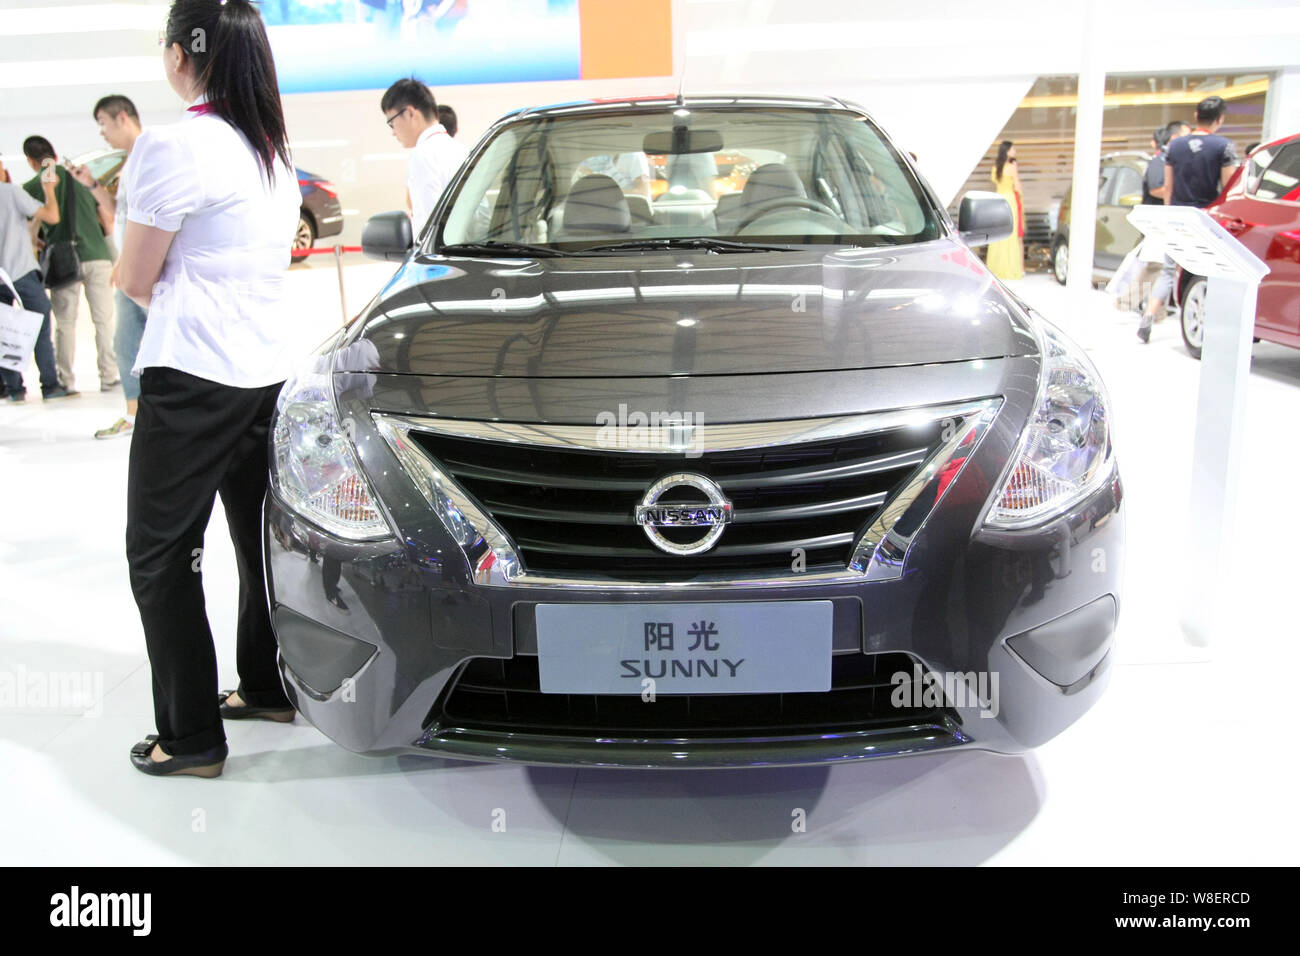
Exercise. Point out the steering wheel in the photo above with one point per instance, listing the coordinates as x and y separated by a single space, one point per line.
780 202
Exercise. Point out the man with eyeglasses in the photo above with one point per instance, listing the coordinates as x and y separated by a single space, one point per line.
412 114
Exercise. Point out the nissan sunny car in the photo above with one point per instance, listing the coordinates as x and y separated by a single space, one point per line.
622 468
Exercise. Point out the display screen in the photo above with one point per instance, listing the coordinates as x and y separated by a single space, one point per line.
326 45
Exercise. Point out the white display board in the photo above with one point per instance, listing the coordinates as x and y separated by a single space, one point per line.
1203 247
1199 244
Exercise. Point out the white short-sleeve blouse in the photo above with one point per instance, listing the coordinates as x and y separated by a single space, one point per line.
217 309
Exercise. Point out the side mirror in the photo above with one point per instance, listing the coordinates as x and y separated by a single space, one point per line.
984 217
387 236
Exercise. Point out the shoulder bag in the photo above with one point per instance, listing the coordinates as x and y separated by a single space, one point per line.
60 264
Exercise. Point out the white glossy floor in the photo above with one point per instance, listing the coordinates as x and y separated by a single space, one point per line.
1178 764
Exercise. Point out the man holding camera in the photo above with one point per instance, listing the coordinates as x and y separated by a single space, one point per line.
78 225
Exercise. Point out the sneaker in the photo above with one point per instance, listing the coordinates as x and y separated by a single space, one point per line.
118 428
60 392
1144 330
109 386
16 396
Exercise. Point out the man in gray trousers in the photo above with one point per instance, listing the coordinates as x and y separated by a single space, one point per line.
76 203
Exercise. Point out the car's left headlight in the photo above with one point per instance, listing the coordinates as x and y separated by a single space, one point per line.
314 469
1065 453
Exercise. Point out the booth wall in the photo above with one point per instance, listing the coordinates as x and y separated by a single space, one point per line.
942 77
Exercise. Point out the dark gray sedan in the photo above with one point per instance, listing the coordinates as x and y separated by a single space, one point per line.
634 464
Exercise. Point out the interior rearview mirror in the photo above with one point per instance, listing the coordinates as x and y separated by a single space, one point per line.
678 141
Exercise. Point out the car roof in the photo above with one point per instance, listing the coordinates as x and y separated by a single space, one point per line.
694 100
1127 154
1281 141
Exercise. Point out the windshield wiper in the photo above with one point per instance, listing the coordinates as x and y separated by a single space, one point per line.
692 242
499 249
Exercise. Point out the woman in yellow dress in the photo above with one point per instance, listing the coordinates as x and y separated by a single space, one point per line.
1006 258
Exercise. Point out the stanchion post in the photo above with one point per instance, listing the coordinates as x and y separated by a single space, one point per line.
338 268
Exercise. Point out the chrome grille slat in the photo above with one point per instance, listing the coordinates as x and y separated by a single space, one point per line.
796 476
790 476
505 509
787 513
484 473
785 547
722 550
791 512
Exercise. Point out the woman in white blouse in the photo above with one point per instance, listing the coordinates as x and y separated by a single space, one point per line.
214 206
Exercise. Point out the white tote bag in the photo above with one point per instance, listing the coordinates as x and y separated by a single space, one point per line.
18 330
1128 270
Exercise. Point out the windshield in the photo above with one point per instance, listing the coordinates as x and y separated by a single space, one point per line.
757 176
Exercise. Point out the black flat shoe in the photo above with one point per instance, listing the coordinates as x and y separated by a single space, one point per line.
282 715
209 763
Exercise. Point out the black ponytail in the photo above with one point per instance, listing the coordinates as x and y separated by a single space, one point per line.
1003 149
226 41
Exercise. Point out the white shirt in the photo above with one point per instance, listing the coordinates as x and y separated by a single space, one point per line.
625 168
434 161
16 207
120 206
217 310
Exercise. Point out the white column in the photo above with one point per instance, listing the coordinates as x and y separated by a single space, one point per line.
1282 104
1087 152
1229 328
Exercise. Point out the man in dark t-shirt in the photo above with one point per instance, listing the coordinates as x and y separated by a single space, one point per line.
1201 163
1197 167
1153 183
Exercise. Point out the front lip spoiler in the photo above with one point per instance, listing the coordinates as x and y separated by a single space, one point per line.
695 752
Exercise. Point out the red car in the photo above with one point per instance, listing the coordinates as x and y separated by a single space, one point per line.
1261 207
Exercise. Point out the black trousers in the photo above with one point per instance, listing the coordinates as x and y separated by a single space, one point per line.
194 439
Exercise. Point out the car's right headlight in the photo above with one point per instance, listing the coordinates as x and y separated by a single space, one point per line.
1065 453
314 470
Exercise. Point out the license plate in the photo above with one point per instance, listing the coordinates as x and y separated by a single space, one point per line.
757 647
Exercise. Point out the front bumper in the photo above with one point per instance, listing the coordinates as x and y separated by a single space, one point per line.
1032 610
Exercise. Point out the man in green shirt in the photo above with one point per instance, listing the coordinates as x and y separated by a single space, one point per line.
96 269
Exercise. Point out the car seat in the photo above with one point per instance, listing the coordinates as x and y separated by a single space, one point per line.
595 206
770 181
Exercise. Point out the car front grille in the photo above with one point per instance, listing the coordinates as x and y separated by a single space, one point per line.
504 696
570 511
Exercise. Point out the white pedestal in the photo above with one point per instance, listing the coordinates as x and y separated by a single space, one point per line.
1220 417
1204 248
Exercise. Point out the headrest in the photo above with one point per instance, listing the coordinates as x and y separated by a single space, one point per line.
596 204
772 181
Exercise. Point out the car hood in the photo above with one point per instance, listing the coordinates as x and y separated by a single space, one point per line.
693 314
